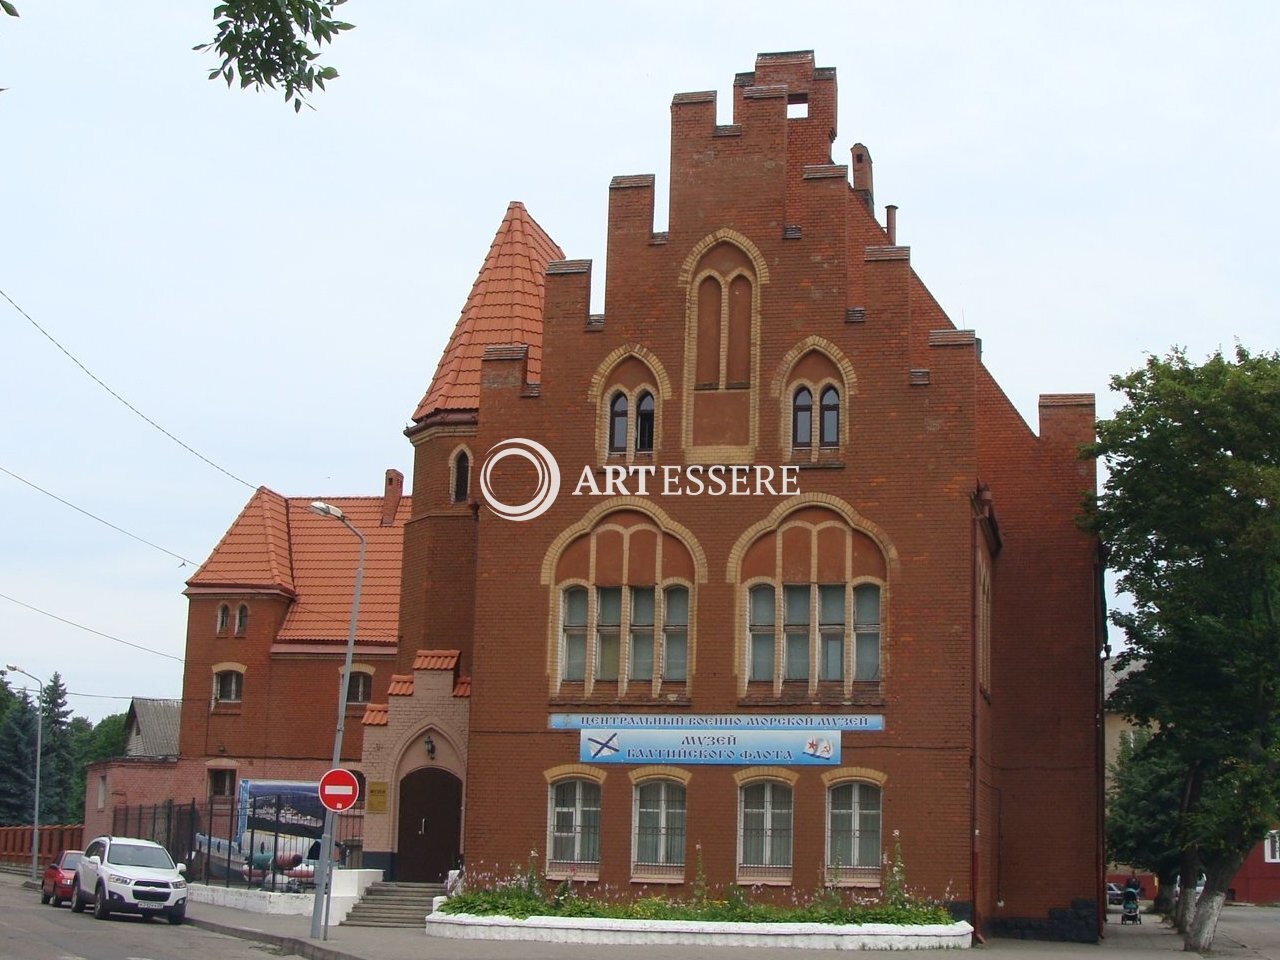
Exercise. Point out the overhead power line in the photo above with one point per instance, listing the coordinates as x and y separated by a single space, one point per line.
92 516
80 626
92 376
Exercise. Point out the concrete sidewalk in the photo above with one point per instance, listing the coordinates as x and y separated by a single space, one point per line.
1150 940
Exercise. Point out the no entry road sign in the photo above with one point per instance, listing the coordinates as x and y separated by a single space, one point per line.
339 789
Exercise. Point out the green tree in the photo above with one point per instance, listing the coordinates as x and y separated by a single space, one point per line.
17 762
275 42
57 764
1143 803
108 738
7 698
1189 518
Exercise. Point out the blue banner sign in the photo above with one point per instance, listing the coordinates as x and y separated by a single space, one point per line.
795 747
866 722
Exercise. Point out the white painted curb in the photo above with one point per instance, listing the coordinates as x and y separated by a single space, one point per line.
593 930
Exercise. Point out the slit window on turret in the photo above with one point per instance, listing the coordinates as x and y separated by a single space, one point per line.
461 477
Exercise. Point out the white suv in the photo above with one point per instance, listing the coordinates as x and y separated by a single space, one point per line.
118 874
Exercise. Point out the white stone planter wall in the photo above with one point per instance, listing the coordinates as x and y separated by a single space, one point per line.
813 936
348 887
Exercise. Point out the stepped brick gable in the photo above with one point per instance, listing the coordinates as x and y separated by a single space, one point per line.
810 588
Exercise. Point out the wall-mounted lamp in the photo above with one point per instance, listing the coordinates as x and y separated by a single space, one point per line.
430 744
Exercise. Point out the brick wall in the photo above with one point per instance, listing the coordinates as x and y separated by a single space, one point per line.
924 428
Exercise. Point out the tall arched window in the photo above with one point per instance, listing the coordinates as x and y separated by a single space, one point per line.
644 422
618 423
802 418
461 477
224 617
242 619
829 414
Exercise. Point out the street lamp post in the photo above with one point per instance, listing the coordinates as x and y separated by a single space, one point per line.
35 817
319 909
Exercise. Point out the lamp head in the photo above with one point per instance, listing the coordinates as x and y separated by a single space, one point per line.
325 509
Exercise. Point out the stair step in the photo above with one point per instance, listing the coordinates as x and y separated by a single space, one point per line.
393 903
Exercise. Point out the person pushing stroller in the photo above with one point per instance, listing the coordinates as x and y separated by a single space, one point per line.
1129 912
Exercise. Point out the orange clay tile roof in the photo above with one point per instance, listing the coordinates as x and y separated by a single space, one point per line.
463 687
435 660
277 543
375 715
505 307
401 685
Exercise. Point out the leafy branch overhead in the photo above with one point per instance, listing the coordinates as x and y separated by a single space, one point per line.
270 43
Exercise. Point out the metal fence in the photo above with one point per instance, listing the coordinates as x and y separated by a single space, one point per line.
267 841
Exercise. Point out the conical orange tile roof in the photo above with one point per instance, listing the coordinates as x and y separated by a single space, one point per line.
505 306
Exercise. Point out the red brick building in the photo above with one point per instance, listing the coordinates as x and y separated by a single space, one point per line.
810 588
266 636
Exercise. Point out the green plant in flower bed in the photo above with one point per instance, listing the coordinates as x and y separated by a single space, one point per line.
525 896
515 901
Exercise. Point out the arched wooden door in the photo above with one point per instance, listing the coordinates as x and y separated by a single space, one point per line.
430 831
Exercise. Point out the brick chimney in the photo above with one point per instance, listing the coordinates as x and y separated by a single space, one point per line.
391 497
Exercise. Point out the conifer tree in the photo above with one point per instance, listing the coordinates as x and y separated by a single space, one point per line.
17 762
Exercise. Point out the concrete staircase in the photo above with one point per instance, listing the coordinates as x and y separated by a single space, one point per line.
394 905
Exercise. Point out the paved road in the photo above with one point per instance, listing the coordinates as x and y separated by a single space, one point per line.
30 931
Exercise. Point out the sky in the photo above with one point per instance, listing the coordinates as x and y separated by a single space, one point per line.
1083 185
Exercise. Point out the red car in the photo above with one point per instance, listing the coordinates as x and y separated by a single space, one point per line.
59 878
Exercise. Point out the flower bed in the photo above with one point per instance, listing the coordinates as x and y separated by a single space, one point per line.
520 908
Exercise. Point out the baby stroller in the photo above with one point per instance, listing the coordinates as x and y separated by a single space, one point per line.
1129 912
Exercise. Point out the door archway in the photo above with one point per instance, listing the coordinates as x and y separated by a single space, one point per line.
430 828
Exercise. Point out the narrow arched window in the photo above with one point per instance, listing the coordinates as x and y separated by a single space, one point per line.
461 477
829 414
618 423
242 619
644 422
224 617
802 418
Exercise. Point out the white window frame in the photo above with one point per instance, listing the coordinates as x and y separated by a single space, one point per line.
767 872
576 868
592 633
854 874
1271 847
851 632
662 869
238 684
366 681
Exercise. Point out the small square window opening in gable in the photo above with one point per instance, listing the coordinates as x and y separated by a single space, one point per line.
797 106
